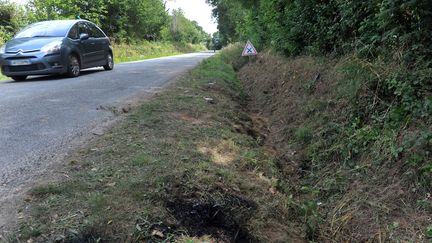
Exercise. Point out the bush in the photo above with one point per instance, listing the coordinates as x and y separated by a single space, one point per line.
12 19
333 27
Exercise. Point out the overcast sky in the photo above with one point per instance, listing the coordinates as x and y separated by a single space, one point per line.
197 10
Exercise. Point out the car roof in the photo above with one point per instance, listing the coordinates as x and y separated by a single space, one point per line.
64 21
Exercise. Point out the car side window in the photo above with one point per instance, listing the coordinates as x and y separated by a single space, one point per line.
82 28
99 32
73 32
95 32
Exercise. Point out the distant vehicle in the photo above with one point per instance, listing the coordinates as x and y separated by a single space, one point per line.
216 44
56 47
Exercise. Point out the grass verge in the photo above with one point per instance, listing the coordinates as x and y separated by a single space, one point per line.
145 50
185 166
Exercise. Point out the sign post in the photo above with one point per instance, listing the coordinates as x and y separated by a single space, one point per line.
249 50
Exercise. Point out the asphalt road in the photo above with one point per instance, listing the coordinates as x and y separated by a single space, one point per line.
43 117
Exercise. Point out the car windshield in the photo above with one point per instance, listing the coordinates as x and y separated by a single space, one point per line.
45 29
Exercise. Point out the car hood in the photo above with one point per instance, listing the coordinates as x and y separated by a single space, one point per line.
29 44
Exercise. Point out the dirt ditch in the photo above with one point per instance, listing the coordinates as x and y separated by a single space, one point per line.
297 101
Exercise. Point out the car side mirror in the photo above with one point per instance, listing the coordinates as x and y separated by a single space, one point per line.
84 36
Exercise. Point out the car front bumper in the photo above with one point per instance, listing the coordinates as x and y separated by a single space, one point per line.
37 64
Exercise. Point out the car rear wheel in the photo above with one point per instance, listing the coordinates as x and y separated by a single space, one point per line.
74 67
19 78
110 62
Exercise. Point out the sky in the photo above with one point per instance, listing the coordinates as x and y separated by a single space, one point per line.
197 10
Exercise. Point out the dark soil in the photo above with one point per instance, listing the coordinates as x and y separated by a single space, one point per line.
87 236
224 223
206 219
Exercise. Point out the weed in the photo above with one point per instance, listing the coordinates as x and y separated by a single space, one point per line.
250 158
303 135
355 76
30 231
232 56
142 159
312 219
428 232
44 190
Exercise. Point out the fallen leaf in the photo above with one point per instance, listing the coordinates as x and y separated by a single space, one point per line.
138 227
157 233
111 184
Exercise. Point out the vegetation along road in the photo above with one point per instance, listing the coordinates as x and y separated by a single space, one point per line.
43 117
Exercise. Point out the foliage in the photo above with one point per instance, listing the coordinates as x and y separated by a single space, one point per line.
12 18
387 82
370 27
182 30
122 20
149 49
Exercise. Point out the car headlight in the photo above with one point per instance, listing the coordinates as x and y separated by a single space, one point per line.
2 50
52 47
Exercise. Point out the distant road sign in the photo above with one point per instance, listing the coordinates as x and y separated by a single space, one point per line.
249 50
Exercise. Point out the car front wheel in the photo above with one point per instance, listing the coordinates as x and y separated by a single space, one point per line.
110 62
74 67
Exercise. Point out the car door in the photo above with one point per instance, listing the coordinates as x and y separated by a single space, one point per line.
75 41
89 55
99 39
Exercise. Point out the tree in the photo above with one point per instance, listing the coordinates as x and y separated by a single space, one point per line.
122 19
12 19
183 30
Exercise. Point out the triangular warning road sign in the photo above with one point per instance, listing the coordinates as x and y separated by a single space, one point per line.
249 50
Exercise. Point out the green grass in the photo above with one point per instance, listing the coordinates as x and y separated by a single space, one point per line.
145 50
176 161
